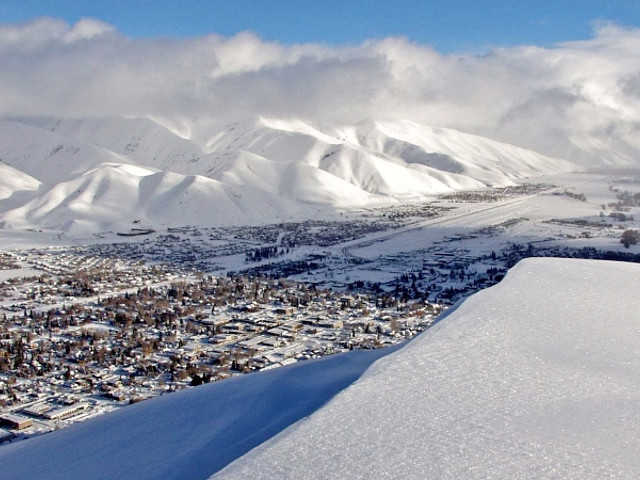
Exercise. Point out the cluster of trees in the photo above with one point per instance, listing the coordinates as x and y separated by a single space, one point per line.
264 253
578 196
283 269
8 262
629 199
621 217
630 237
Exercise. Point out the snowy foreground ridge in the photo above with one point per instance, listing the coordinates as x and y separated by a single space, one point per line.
188 434
537 377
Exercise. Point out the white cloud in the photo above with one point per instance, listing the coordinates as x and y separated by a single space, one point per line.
531 96
87 28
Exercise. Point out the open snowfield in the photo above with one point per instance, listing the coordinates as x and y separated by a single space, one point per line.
534 378
533 210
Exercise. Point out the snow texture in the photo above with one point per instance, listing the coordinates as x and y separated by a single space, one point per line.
188 434
538 377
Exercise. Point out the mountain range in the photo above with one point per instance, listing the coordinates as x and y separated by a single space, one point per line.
92 175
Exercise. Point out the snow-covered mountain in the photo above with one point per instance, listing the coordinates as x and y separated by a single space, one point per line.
14 181
505 386
102 173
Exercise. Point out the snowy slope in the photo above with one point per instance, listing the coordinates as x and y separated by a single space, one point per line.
259 170
387 158
188 434
404 144
13 181
113 196
48 157
140 140
535 378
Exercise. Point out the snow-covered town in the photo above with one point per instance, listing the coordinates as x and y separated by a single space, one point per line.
385 240
87 354
89 328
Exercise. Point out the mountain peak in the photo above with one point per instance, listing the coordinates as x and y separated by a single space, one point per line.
279 167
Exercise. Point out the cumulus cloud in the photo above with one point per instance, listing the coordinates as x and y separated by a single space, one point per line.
558 99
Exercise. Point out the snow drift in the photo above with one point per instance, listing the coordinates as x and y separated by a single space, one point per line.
188 434
535 378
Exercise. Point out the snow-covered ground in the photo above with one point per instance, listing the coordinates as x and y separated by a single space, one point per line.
534 378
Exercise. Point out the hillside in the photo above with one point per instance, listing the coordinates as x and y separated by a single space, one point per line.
114 196
187 434
13 181
506 386
100 174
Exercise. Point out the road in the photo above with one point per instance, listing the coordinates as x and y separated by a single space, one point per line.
466 214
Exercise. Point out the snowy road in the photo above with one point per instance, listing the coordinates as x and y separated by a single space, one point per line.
463 217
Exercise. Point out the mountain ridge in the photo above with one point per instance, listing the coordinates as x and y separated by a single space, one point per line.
263 169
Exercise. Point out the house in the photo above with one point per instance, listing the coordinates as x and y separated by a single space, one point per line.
346 302
37 410
65 412
15 422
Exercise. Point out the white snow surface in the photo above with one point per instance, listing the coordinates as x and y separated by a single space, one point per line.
537 377
255 171
13 181
188 434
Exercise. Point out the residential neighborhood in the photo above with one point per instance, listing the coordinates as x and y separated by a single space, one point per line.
87 353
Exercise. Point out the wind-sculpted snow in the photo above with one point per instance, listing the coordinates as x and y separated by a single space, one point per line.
255 171
538 377
188 434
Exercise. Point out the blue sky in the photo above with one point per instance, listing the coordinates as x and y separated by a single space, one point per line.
453 25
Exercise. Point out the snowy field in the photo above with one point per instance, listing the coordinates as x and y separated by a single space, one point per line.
534 378
533 210
17 273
